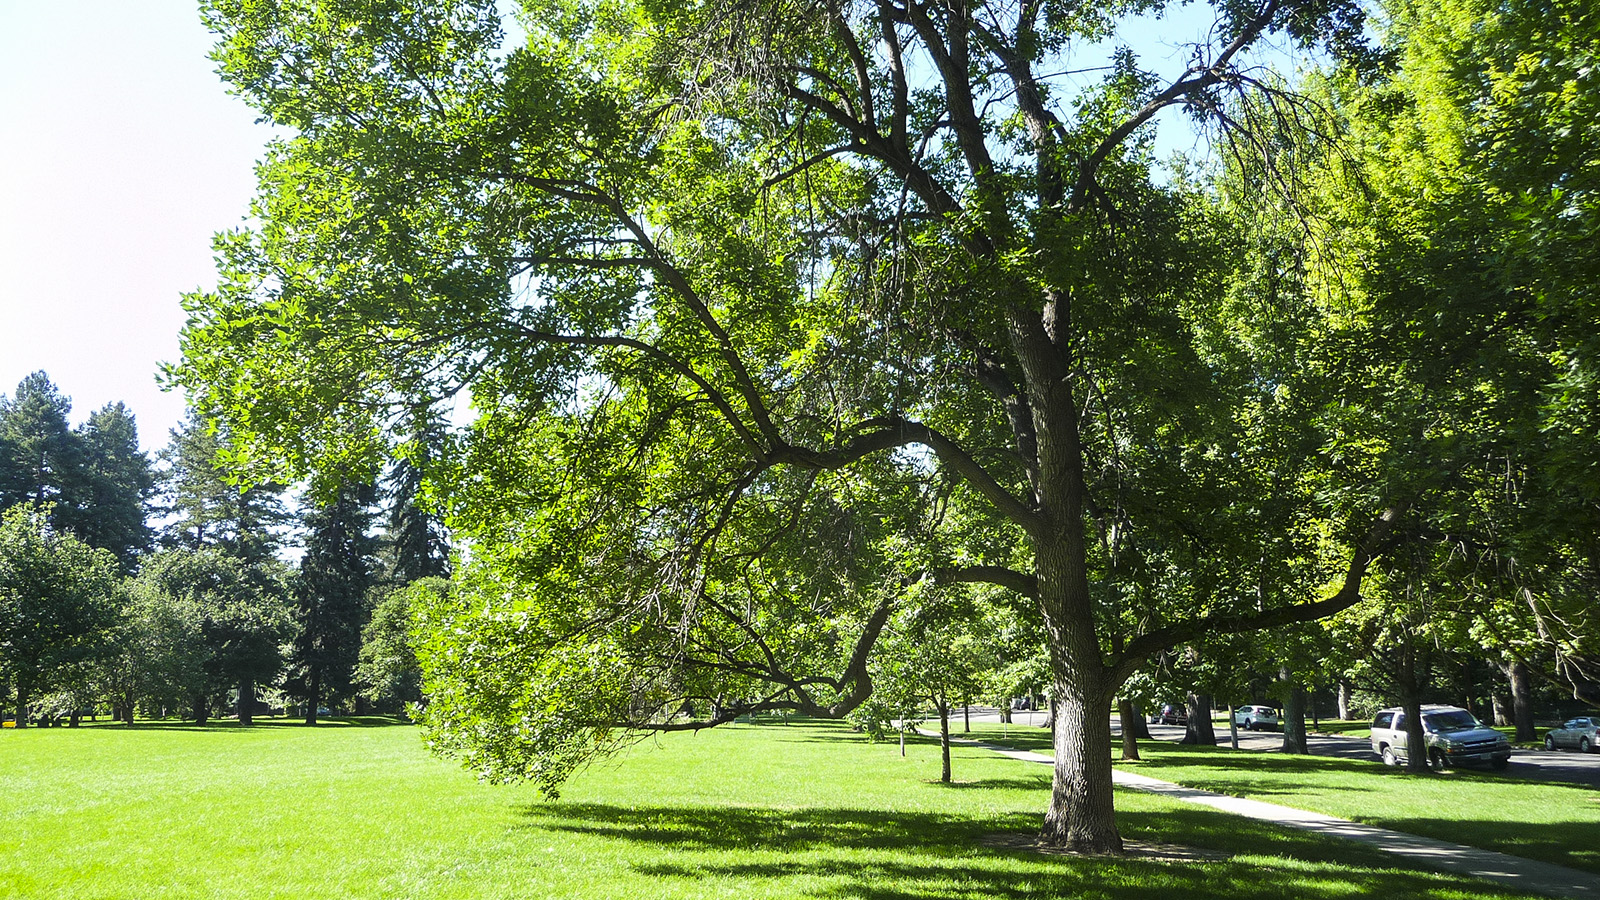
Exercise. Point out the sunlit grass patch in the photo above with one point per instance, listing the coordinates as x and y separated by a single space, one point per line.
768 810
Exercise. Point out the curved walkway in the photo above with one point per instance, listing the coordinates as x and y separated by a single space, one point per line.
1514 871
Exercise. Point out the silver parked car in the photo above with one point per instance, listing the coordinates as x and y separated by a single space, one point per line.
1256 717
1574 734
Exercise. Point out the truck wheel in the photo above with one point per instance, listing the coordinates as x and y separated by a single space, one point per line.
1437 762
1389 759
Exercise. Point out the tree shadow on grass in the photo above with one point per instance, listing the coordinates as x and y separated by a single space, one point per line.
902 855
1040 782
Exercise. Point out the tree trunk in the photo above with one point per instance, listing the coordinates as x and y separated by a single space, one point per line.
1344 700
1294 714
1130 719
1199 730
247 700
316 698
22 706
202 709
1141 725
1502 708
127 709
944 741
1005 713
966 714
1081 816
1411 703
1522 701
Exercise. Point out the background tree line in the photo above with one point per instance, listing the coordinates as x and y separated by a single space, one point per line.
162 587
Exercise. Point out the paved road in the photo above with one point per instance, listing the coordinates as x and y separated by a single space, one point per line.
1539 765
1568 766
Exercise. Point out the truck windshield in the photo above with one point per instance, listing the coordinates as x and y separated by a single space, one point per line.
1458 720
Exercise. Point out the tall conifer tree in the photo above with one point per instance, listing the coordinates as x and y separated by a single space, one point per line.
117 483
44 458
211 511
330 599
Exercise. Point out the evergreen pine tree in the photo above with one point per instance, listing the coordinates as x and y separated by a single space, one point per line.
415 541
44 457
417 546
210 511
118 482
330 597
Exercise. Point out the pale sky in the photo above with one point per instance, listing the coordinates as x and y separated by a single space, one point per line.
120 154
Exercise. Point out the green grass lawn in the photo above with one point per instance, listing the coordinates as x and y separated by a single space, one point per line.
1558 823
343 810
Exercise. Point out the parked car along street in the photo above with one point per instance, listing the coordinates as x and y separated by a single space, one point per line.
1171 714
1454 736
1578 734
1254 718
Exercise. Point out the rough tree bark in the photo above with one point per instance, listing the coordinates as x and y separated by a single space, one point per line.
314 697
1406 676
247 699
1344 700
1141 725
1200 729
1294 713
1522 700
944 740
1130 720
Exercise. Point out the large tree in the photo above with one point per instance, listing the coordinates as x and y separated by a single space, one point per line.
94 479
119 483
44 462
1470 231
206 507
237 615
57 603
723 280
330 597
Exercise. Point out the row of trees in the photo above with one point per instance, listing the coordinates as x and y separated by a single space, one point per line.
784 320
201 613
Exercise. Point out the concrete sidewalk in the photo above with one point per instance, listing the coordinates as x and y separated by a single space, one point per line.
1512 871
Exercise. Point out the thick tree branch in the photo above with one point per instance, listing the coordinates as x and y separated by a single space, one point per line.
896 432
1349 594
1020 582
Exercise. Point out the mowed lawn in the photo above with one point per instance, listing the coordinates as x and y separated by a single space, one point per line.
1558 823
799 810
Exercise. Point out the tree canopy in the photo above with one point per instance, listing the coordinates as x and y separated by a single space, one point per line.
771 312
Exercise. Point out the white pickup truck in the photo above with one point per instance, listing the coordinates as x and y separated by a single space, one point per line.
1454 736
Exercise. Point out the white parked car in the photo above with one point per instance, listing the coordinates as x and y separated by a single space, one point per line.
1454 736
1255 718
